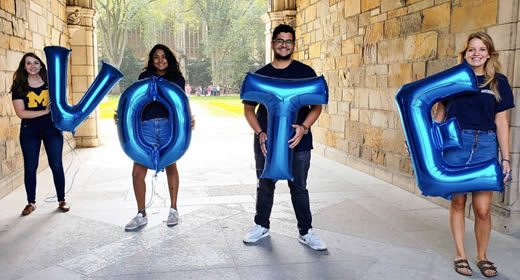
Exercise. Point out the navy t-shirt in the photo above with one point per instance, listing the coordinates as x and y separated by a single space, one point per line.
36 99
477 111
156 109
295 70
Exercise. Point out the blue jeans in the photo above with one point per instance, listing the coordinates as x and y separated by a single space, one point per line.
32 133
477 146
156 131
298 188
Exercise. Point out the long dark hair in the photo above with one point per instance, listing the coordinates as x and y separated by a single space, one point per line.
20 83
173 72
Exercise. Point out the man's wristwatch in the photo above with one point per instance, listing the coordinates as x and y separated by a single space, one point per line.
305 129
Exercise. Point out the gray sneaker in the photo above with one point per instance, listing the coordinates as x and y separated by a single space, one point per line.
136 222
173 217
256 233
313 241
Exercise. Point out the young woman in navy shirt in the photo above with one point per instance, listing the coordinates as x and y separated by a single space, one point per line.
31 104
485 128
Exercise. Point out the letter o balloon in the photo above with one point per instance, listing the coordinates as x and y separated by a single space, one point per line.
129 127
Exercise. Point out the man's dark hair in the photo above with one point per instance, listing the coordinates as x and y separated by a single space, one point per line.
283 28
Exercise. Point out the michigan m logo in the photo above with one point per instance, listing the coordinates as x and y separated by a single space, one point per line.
35 100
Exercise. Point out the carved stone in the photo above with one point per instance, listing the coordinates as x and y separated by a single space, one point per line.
74 18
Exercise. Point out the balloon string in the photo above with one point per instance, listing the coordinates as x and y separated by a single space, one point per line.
51 199
155 193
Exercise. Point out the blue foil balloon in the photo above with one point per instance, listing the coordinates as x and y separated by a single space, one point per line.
129 127
427 140
283 98
68 117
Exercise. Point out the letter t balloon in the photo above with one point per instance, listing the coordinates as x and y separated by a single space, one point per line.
283 98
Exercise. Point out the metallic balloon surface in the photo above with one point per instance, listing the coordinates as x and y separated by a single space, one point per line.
129 127
68 117
283 98
427 140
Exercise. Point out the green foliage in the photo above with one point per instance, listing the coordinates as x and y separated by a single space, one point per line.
235 39
116 18
131 67
198 72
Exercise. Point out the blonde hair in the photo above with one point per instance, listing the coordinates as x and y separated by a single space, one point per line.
492 64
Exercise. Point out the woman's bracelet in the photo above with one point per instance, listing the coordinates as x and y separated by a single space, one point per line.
261 131
506 160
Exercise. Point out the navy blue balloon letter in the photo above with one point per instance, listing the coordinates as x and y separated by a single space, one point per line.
129 110
427 140
282 98
68 117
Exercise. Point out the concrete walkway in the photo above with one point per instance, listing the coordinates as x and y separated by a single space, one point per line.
373 230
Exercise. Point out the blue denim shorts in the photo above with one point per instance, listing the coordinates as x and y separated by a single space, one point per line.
477 146
156 131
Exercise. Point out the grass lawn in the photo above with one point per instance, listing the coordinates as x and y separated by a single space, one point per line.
226 106
229 106
107 109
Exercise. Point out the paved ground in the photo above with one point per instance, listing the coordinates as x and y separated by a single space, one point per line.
373 230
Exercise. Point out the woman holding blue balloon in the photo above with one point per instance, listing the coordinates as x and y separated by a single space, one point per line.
161 63
485 128
30 97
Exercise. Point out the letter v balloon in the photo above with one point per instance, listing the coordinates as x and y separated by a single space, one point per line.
65 116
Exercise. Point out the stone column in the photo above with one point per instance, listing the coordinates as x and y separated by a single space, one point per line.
278 12
83 68
512 194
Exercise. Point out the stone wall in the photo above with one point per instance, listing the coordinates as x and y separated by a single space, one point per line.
27 26
367 49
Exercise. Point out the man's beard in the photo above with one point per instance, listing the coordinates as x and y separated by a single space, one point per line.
285 57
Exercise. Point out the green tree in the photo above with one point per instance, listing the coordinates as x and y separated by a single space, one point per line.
116 18
234 29
199 72
131 67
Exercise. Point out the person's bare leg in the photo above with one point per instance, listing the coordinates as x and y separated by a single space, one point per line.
481 208
138 175
457 207
172 174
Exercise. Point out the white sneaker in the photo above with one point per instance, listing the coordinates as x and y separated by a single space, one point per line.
313 241
136 222
256 233
173 217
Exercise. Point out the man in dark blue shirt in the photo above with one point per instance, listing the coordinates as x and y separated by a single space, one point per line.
283 66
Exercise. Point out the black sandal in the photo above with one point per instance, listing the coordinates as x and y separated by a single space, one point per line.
485 266
461 264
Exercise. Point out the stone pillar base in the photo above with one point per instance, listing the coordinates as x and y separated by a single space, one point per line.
88 141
